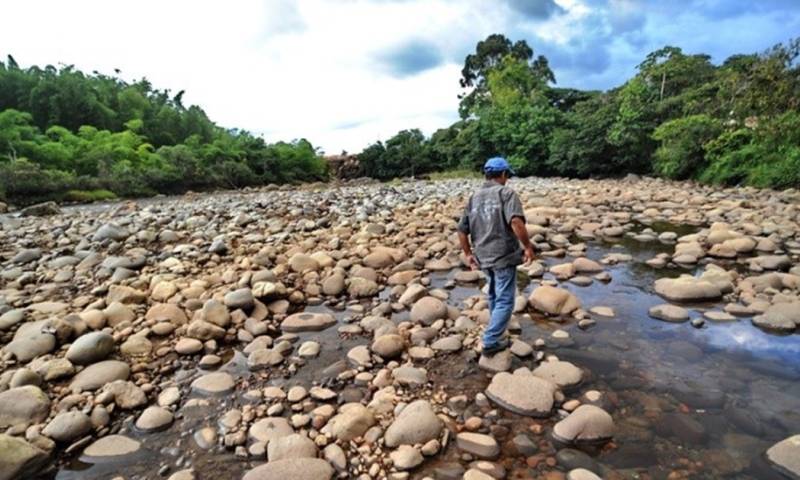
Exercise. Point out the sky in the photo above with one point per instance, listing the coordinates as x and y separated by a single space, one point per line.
346 73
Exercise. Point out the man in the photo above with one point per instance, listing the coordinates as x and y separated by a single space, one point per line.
494 220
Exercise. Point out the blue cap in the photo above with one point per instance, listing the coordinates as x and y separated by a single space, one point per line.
497 164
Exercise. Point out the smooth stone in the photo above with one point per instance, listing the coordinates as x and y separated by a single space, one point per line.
478 444
427 310
19 459
291 446
154 419
23 405
68 426
563 374
686 289
553 300
417 423
292 468
499 362
98 374
669 313
214 383
406 457
522 393
307 322
388 346
271 428
587 424
785 456
112 446
352 421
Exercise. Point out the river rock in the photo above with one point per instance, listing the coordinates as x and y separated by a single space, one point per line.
352 421
417 423
292 468
112 446
587 424
669 313
154 419
780 317
388 346
785 456
307 322
23 405
68 426
242 298
333 285
214 383
90 348
553 300
30 341
19 459
291 446
687 288
499 362
522 393
406 457
563 374
11 318
271 428
98 374
426 310
478 444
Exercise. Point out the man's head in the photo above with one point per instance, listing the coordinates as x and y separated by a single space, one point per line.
497 169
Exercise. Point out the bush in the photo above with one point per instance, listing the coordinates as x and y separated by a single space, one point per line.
25 182
681 154
87 196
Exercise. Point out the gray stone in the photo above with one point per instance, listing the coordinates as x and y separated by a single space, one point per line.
417 423
785 456
586 424
478 444
112 446
214 383
307 322
19 459
426 310
780 317
563 374
110 231
271 428
352 421
127 395
669 313
291 446
522 393
241 298
68 426
388 346
499 362
292 468
687 288
98 374
23 405
406 457
11 318
154 419
90 348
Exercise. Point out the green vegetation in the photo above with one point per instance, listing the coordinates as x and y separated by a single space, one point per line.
680 117
68 135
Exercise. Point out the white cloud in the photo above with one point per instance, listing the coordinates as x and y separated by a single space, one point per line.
311 68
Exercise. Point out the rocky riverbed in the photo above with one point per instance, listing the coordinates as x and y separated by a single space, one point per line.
333 332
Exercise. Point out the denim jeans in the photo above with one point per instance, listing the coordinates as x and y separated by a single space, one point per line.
502 292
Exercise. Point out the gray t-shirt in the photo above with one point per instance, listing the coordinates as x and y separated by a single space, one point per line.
487 220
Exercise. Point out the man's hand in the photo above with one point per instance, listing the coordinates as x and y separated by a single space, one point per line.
472 262
528 256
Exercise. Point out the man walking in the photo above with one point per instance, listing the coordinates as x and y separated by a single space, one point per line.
495 222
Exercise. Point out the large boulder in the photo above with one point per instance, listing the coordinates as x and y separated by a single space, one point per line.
522 393
563 374
687 289
68 426
417 423
587 424
553 300
291 446
780 317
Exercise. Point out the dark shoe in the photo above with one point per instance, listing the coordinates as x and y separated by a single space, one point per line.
494 349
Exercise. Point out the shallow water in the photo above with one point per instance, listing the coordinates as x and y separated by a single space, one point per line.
704 402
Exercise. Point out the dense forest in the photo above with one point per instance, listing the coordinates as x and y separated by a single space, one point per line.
72 136
679 117
68 135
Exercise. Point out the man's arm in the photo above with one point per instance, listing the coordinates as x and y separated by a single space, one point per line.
463 238
518 226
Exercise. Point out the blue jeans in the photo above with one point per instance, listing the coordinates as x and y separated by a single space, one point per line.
502 292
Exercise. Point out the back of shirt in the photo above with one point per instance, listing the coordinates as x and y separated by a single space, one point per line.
487 220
